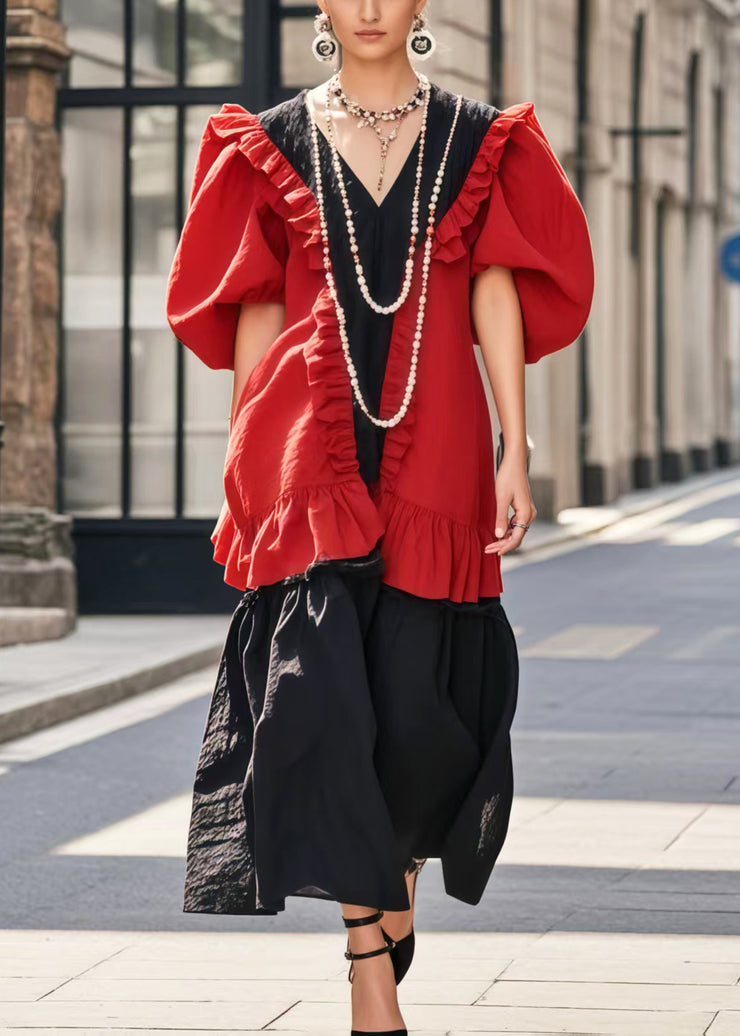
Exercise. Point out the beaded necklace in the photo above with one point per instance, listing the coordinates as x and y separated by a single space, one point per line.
411 380
362 283
396 114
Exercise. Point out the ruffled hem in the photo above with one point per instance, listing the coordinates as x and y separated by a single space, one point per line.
432 555
450 237
424 552
307 524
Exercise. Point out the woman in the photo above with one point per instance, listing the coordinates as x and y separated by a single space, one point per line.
361 717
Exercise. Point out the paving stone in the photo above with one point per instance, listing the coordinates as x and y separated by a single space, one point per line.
480 1019
727 1023
620 970
613 996
633 945
100 1016
27 988
46 966
652 920
426 967
251 990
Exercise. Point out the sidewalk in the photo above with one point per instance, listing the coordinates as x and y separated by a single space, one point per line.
463 983
106 659
110 658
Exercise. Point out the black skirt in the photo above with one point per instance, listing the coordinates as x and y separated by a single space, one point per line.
353 726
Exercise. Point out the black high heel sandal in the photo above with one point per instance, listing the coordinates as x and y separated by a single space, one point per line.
353 922
402 952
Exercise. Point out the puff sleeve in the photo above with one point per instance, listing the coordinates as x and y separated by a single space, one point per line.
232 249
534 225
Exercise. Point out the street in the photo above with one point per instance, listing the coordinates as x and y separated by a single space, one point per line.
614 906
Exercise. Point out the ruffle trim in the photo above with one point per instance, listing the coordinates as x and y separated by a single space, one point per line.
306 524
432 555
285 191
330 387
331 390
450 237
292 199
425 553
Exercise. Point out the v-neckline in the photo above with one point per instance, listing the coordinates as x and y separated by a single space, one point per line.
414 149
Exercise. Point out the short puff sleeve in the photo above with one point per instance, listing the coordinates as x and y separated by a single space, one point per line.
232 249
535 226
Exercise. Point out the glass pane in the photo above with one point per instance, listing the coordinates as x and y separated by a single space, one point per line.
207 392
298 66
153 180
155 36
93 305
95 33
213 44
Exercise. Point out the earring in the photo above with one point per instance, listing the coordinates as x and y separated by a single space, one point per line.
421 41
325 45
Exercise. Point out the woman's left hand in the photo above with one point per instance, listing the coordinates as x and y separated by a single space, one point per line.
512 489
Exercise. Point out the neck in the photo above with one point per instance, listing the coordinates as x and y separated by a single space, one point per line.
377 85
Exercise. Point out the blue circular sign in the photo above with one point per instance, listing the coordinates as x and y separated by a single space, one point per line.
729 260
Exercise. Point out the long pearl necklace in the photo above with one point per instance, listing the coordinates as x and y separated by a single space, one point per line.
400 413
359 272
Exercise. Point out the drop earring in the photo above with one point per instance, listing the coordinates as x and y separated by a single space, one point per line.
421 42
325 44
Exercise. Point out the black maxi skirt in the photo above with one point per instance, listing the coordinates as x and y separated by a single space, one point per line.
353 727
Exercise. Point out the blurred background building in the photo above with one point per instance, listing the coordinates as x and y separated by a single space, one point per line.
115 435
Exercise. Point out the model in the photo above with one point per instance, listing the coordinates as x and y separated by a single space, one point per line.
343 252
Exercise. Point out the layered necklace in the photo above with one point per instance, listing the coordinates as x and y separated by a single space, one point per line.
335 89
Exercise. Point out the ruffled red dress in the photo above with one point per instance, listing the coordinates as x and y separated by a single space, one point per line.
362 712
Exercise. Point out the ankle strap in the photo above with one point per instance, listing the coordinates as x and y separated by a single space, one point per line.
370 953
354 922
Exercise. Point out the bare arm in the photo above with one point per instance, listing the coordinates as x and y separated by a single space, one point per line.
259 325
497 317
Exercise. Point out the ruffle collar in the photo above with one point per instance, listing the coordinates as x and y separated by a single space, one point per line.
450 234
285 191
294 200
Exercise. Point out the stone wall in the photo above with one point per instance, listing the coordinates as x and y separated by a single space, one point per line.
35 546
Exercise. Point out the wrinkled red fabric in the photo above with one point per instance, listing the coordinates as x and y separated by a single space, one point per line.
293 491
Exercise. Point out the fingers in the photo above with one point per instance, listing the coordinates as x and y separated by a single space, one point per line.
514 534
511 539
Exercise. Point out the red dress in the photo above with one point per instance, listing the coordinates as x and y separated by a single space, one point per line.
299 496
369 679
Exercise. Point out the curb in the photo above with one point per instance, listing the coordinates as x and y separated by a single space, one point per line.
27 719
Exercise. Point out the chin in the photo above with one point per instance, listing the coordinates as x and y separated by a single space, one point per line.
379 51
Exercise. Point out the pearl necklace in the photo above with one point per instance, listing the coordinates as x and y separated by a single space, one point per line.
400 413
359 272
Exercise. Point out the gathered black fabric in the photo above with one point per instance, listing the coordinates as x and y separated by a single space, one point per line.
353 725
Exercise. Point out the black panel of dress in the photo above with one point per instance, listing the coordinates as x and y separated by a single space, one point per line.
382 231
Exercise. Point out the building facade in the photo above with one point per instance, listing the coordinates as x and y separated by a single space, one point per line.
111 422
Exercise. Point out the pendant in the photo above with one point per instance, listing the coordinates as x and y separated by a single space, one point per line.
384 145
